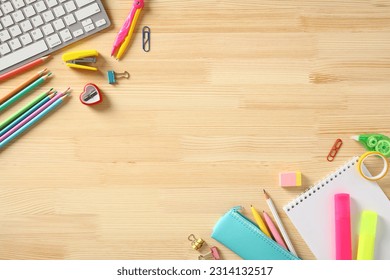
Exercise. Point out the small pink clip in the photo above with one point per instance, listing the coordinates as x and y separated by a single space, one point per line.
212 255
333 152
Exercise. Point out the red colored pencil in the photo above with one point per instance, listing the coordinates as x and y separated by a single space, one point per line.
23 68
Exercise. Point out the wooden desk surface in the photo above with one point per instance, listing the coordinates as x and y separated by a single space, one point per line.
230 95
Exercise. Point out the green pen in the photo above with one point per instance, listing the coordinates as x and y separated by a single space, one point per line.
24 91
375 142
24 109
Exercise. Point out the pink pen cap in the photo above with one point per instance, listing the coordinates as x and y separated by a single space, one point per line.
343 226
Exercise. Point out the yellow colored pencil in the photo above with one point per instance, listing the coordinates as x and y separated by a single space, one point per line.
260 222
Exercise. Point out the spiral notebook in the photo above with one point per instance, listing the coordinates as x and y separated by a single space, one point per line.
312 213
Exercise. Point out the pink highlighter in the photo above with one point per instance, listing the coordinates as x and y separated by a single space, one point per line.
343 226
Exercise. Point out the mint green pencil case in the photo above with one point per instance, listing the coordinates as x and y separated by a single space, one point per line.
244 238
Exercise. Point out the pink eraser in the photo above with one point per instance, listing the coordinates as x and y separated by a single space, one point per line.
290 179
343 226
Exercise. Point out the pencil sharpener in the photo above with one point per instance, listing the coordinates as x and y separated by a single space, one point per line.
91 95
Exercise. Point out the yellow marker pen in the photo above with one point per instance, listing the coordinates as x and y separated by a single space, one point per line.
260 222
366 246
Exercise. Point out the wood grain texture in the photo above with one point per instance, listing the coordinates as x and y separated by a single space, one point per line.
230 95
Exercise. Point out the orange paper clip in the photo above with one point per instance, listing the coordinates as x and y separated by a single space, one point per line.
333 152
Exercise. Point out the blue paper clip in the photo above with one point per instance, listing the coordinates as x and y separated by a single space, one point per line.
112 76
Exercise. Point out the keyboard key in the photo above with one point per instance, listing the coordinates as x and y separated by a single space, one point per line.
7 21
18 16
59 11
37 34
58 24
47 29
48 16
15 44
30 1
89 27
29 11
22 54
87 11
18 4
100 22
86 22
70 6
37 21
4 35
26 39
15 30
82 3
78 32
51 3
1 27
40 6
65 35
26 25
4 49
69 19
7 7
53 40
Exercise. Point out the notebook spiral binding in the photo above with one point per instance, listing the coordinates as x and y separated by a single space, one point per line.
320 184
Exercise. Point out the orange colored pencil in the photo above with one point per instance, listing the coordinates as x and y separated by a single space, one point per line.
23 85
23 68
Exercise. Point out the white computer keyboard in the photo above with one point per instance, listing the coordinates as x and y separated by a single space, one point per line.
30 29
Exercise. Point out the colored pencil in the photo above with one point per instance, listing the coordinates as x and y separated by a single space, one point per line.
279 222
23 85
23 68
260 222
274 230
34 120
46 98
31 116
23 92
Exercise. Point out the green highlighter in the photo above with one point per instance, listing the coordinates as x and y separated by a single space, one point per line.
375 142
367 234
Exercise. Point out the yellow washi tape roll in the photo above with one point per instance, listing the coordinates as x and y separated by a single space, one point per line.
380 175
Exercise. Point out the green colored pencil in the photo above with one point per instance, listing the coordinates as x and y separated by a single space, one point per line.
24 109
24 91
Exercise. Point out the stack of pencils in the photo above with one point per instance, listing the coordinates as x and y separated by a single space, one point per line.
31 113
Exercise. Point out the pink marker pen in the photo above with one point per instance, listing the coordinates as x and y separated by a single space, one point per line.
343 226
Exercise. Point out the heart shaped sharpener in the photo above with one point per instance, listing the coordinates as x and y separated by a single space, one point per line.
91 95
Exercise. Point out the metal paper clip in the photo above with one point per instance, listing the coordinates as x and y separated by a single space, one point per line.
196 243
333 152
112 76
146 38
212 255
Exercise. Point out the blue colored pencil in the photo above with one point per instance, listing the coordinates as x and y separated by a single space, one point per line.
33 121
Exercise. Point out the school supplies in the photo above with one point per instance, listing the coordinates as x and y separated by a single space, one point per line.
368 176
112 76
374 142
146 39
23 68
279 222
36 119
81 59
260 222
32 116
23 85
196 243
290 179
123 38
91 95
342 226
335 149
27 113
24 109
367 233
212 255
274 230
245 239
24 91
312 211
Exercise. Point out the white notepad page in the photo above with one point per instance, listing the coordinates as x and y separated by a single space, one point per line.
312 213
